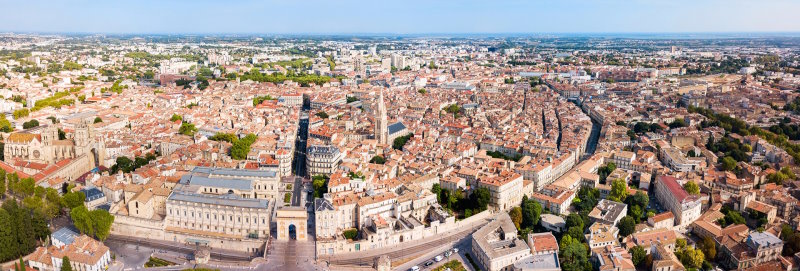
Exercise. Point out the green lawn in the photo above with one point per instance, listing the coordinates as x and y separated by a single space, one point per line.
454 265
156 262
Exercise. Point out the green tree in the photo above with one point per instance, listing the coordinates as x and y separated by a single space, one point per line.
516 216
531 212
176 117
436 189
626 226
638 255
619 191
604 171
98 120
227 137
187 129
728 163
124 164
5 125
576 232
74 199
8 236
692 188
101 222
691 257
320 184
82 220
733 217
65 264
21 113
30 124
322 114
350 234
2 188
377 159
575 220
573 255
481 198
708 247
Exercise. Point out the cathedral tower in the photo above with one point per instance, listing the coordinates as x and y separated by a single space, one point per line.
381 126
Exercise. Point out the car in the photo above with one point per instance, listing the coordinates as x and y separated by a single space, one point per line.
414 268
429 263
448 253
455 250
438 258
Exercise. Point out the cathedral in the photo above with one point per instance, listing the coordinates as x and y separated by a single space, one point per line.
46 148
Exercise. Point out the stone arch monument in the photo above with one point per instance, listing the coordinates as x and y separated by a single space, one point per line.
295 218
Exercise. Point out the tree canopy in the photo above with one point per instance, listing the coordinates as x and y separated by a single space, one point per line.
96 223
619 191
692 188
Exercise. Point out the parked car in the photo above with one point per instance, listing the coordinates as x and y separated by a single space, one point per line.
438 258
448 253
415 268
455 250
429 263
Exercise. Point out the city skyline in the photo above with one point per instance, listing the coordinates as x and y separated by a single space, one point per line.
408 17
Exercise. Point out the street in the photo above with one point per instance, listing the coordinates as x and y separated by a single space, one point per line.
463 246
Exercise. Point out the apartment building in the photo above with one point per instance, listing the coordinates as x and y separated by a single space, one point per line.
672 196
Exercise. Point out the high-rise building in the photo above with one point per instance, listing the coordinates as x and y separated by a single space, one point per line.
381 127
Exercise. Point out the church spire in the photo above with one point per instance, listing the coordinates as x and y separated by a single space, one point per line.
381 126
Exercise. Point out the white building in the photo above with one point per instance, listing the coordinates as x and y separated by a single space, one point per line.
672 196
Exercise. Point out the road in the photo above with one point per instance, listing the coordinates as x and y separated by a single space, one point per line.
464 246
297 191
299 162
594 136
404 251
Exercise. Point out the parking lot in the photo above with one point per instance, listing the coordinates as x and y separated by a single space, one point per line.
429 261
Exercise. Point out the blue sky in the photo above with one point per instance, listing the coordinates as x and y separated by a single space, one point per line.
400 16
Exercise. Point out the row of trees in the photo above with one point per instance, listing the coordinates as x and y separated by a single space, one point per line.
21 228
126 165
301 78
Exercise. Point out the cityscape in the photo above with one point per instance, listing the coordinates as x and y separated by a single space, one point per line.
359 143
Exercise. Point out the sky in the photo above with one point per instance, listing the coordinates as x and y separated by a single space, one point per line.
399 16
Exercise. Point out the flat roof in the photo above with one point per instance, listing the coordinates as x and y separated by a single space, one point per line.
538 262
238 184
225 200
65 235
